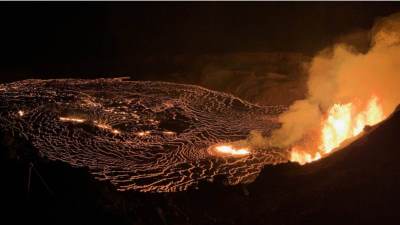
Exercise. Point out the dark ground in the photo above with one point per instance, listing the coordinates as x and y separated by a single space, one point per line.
207 44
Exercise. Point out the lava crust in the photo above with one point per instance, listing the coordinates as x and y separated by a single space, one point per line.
139 135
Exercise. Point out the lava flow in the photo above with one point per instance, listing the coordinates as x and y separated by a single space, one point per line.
342 122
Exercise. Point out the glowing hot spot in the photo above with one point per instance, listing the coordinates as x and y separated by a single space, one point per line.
229 150
72 119
143 133
106 127
303 157
169 133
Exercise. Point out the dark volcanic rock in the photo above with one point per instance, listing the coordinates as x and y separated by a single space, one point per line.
357 185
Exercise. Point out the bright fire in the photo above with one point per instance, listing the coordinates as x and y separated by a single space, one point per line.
343 121
229 150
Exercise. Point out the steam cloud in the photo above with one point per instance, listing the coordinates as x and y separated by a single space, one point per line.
341 74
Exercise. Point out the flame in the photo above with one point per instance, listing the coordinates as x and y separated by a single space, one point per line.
337 127
303 157
229 150
343 121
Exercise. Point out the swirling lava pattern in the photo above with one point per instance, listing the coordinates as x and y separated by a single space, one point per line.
139 135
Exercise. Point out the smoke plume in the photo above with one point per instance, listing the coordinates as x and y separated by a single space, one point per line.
341 74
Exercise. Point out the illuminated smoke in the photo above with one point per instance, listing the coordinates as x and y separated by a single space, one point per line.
341 78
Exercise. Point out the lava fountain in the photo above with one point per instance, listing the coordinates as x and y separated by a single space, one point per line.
342 122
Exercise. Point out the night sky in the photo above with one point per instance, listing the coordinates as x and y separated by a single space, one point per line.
87 40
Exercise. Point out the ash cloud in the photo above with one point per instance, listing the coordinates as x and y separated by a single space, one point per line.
343 73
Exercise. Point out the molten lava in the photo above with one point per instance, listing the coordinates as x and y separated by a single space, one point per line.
229 151
21 113
106 127
343 121
72 119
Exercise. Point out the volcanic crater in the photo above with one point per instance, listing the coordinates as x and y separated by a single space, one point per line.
139 135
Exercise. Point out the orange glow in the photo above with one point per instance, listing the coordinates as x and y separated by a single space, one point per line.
303 157
169 133
103 126
228 150
337 127
143 133
115 131
343 121
72 119
106 127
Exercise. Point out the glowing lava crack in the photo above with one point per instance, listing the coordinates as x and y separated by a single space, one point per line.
144 136
227 150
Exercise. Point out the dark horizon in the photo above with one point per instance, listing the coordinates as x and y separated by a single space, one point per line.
143 40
